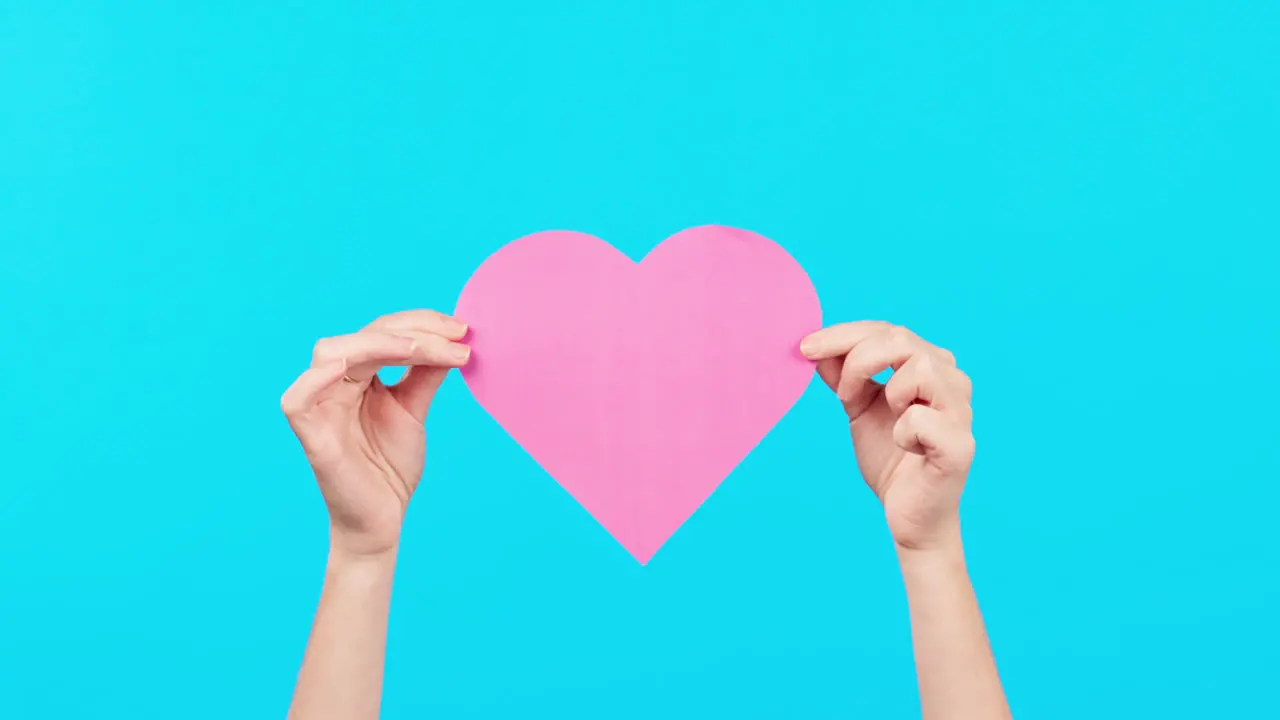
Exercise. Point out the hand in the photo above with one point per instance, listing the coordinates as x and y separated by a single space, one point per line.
366 441
912 434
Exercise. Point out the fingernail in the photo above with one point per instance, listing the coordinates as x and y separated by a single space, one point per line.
458 326
808 347
460 352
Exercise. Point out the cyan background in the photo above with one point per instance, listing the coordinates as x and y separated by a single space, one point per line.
1079 199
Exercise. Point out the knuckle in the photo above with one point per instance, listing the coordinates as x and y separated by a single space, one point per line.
852 361
380 322
431 346
904 341
945 356
290 404
322 349
393 316
901 433
430 340
897 392
912 414
875 327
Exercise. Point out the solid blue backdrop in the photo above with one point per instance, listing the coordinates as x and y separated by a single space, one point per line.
1078 199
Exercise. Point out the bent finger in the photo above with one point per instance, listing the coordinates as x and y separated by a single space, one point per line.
924 379
308 388
926 431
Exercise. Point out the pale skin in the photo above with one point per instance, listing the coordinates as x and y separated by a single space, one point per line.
366 443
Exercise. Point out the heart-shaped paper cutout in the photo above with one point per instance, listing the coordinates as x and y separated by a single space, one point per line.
639 386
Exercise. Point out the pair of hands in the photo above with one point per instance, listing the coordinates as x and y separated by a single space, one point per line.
366 441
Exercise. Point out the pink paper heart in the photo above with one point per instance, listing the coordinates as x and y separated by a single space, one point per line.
639 386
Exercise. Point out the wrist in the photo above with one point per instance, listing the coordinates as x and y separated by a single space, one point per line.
357 554
382 541
360 573
941 553
942 534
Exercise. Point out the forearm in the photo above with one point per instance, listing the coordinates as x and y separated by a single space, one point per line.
954 664
342 670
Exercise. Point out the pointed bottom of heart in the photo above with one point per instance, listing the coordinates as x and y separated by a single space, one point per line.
646 510
643 525
643 546
639 386
643 505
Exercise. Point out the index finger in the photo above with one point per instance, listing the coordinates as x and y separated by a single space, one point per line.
428 321
839 339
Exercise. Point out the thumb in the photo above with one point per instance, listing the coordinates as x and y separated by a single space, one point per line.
829 371
418 386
